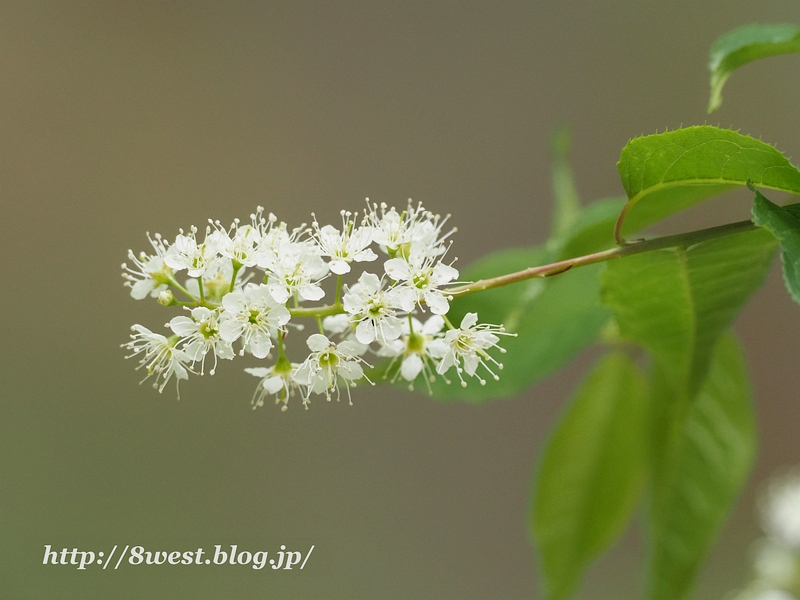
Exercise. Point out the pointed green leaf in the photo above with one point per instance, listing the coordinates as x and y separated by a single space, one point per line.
675 303
668 172
784 224
793 209
744 45
703 461
592 473
593 230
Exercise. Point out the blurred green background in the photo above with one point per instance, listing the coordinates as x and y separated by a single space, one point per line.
118 118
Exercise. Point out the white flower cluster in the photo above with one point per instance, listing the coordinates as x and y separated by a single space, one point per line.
777 557
247 284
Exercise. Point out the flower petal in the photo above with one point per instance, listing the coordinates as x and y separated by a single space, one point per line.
279 292
396 268
142 288
258 371
339 266
230 330
273 384
317 342
336 323
365 332
183 326
433 325
351 370
311 292
437 303
260 345
411 367
469 320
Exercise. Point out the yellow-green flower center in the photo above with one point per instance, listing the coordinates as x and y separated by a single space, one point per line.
328 360
415 344
208 330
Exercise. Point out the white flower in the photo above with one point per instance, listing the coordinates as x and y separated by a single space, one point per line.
336 323
274 237
351 244
395 233
216 280
241 242
373 309
327 362
187 254
469 343
421 348
296 269
376 310
276 380
781 511
160 356
240 247
149 275
775 563
199 334
421 279
253 315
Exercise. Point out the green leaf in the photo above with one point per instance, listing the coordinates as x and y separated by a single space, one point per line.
567 204
592 473
793 209
744 45
555 319
668 172
593 230
676 302
705 459
576 230
784 224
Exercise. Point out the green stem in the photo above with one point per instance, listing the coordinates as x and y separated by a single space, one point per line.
281 354
202 289
236 266
337 300
317 311
671 241
174 283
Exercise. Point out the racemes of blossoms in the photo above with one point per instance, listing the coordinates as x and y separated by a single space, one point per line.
372 289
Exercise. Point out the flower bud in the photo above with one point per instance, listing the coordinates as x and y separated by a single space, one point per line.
166 298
